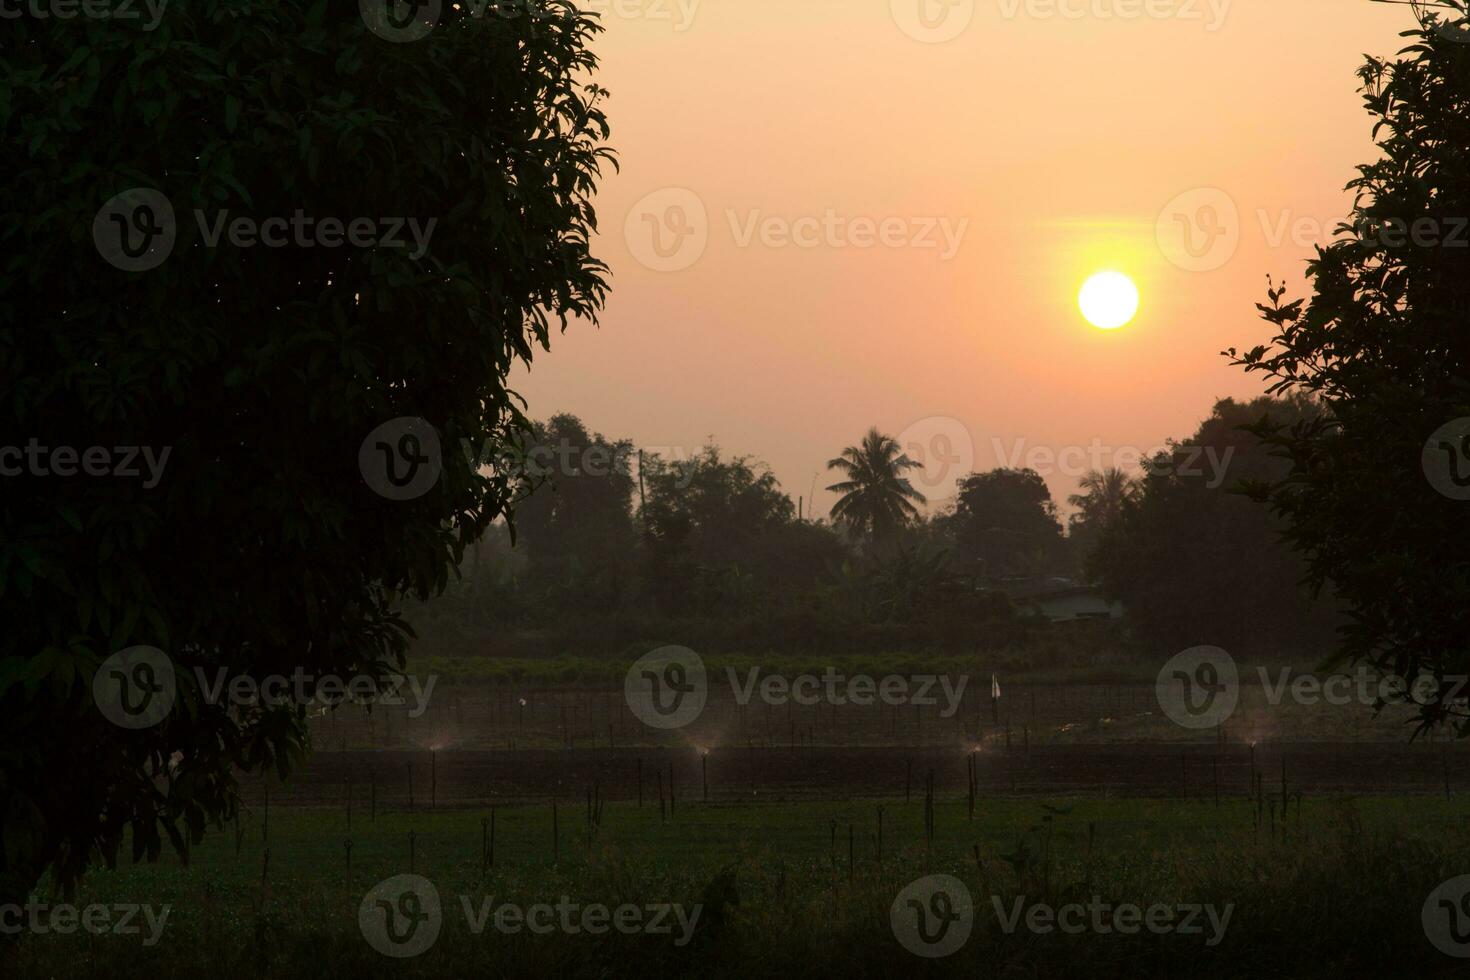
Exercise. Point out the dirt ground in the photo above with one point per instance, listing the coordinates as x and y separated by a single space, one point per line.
477 745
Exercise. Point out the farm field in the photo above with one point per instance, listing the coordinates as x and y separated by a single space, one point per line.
470 777
805 887
444 711
797 832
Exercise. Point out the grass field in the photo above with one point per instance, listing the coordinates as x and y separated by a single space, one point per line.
1336 888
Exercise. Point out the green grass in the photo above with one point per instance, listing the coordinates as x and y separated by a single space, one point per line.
1342 892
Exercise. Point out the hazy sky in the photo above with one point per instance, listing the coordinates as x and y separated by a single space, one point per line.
833 214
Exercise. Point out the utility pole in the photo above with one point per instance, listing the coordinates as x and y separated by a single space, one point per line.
642 504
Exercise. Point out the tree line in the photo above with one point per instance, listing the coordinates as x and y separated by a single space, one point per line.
610 546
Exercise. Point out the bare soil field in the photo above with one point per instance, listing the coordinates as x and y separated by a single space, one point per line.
473 746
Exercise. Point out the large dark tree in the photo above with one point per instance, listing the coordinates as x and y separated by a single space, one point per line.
574 516
1005 524
1194 561
1374 493
263 369
721 536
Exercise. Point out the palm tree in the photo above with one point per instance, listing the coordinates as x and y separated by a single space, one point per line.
1105 494
877 498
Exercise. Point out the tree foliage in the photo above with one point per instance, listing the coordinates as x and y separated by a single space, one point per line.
574 513
1103 498
1005 523
262 369
1382 342
1196 562
876 498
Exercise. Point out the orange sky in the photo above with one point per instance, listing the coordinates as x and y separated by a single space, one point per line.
1049 146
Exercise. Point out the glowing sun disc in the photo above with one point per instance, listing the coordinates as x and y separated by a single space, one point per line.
1108 300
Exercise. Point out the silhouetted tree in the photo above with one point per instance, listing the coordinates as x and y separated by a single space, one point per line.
262 369
573 515
1005 523
877 499
1100 505
714 531
1374 496
1194 561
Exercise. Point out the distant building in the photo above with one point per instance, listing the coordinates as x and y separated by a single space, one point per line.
1061 600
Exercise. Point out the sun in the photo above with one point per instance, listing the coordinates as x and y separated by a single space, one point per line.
1108 300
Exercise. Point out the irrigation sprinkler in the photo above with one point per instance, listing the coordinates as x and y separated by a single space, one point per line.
347 847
